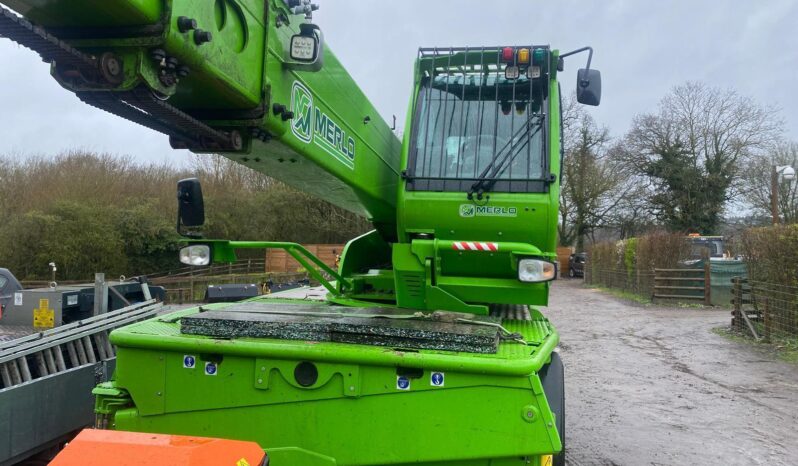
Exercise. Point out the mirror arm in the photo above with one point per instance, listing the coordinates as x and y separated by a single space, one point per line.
574 52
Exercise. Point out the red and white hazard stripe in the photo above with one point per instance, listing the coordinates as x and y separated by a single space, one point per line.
474 246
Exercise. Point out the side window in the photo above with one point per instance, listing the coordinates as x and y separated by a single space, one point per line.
3 283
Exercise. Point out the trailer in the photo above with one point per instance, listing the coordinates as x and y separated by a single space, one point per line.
46 379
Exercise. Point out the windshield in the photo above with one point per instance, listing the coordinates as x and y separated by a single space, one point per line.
466 132
714 247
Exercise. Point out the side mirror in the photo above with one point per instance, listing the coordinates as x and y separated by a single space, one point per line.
306 49
588 86
190 205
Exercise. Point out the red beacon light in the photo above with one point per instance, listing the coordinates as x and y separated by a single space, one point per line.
508 55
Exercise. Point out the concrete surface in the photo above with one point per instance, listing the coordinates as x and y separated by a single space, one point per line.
648 385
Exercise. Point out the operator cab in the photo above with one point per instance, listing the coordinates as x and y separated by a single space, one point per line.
480 120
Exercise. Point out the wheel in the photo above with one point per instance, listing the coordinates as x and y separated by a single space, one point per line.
571 273
552 377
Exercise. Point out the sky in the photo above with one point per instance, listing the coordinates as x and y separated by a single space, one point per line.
642 48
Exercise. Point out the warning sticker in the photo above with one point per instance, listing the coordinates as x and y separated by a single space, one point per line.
43 316
189 361
402 382
546 460
436 379
17 299
242 462
210 368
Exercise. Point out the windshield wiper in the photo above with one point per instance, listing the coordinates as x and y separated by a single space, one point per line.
500 162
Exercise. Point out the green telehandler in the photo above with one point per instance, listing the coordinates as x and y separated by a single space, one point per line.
429 348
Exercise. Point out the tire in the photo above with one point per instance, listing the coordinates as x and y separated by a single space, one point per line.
552 377
571 273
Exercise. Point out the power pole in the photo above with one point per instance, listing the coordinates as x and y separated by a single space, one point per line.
774 195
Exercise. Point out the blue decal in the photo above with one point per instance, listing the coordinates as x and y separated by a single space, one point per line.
210 368
436 379
402 382
189 361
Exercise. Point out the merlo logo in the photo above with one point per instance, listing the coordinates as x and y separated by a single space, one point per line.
302 106
467 210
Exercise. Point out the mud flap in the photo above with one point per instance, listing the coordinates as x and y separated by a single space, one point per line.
552 377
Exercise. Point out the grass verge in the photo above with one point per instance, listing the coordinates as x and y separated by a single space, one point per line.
627 295
785 349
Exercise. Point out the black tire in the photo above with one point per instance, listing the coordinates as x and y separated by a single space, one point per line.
571 273
552 377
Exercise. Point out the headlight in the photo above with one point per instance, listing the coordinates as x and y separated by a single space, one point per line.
197 254
536 270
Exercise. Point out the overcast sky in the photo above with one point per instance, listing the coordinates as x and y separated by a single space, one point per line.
643 49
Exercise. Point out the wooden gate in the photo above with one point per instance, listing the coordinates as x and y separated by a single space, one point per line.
683 284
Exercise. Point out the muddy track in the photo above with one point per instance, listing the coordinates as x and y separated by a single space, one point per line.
648 385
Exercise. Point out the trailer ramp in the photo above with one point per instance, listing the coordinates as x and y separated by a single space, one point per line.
46 379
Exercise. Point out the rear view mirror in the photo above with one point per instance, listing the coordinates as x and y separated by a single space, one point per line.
305 48
190 205
588 87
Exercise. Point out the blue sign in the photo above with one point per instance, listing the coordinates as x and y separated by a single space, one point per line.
210 368
189 362
436 379
402 382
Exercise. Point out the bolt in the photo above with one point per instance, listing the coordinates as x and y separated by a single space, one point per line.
549 424
236 140
158 393
200 36
260 380
171 63
111 68
158 55
530 414
185 24
351 388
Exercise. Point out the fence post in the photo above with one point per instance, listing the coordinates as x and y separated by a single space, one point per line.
100 294
707 283
736 301
766 317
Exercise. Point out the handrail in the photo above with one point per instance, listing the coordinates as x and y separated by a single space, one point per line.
224 251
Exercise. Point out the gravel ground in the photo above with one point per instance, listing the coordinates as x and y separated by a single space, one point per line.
650 385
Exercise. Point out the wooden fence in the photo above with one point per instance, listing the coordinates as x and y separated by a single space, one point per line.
277 260
683 284
768 311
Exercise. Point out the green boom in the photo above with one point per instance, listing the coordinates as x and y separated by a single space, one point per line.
464 209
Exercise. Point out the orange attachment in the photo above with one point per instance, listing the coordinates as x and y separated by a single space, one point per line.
114 448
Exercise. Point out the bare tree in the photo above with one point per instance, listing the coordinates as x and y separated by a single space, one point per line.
595 186
692 151
757 182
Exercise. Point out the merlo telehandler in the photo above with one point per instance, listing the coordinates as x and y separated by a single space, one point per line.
430 348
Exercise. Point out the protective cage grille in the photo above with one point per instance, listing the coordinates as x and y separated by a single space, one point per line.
474 128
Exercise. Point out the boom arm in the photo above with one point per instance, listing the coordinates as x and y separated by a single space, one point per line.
218 77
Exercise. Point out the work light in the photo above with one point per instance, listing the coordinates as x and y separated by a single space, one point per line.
196 254
536 270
